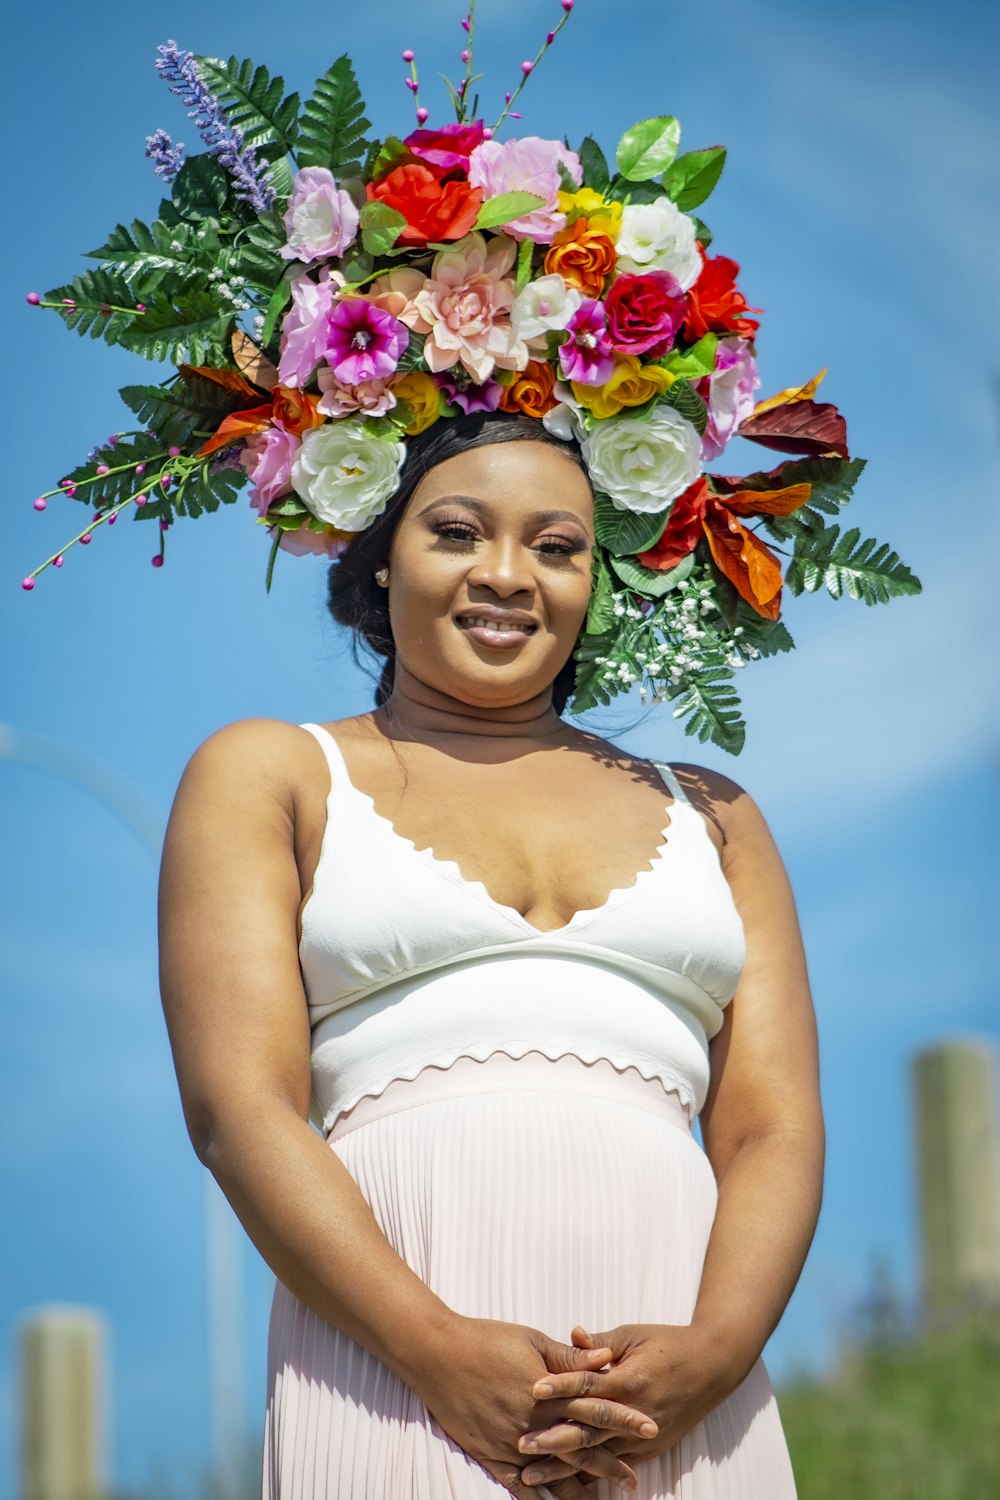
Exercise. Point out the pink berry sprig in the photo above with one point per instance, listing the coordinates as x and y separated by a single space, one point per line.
104 309
413 84
527 68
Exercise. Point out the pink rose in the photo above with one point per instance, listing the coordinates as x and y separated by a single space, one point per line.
526 165
447 148
729 393
373 397
321 219
303 541
267 459
305 329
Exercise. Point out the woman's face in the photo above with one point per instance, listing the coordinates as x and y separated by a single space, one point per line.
500 533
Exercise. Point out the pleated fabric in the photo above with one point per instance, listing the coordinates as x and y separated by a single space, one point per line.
537 1191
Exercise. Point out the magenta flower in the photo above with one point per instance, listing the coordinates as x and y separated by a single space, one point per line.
304 329
363 342
449 147
588 355
471 397
644 313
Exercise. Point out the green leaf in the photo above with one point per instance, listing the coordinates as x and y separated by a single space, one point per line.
695 362
144 257
197 333
175 412
862 569
253 101
412 357
653 583
600 612
590 687
648 148
381 227
202 492
391 154
685 399
121 481
832 481
200 188
701 231
596 173
280 298
89 292
690 179
332 127
635 192
272 555
356 264
712 707
525 251
506 207
626 532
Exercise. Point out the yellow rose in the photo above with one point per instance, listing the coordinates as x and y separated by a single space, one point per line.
604 218
421 396
632 384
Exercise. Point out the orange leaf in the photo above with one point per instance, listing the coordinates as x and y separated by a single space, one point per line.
235 426
768 502
791 393
751 567
253 362
231 379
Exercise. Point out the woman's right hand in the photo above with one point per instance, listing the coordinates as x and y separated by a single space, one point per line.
479 1392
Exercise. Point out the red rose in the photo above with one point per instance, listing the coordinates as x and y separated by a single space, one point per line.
715 303
644 313
682 531
433 210
447 148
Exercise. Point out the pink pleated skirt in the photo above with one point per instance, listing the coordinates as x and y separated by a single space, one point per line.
540 1192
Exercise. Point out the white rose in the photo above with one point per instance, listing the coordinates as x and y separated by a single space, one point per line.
643 463
345 475
544 306
658 237
565 420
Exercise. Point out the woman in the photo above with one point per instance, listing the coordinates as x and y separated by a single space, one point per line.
506 1264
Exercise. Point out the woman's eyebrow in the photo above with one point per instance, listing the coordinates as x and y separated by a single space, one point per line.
483 508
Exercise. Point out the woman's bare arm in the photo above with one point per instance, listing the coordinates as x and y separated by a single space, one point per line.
762 1122
238 1024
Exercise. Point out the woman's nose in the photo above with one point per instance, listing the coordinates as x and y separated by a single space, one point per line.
503 566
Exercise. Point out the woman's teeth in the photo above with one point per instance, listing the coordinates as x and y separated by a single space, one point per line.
498 625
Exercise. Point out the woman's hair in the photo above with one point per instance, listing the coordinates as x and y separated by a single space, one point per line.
355 599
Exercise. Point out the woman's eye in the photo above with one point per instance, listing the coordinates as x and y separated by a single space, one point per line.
462 531
455 531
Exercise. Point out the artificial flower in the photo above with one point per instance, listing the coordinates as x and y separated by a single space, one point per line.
465 307
582 256
363 342
303 331
469 396
433 209
587 357
644 313
396 293
373 397
643 462
345 475
631 384
728 393
294 409
544 306
658 237
526 165
422 397
448 147
267 459
683 530
303 541
715 303
604 216
321 219
532 390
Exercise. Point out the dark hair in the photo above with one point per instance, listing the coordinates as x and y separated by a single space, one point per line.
355 599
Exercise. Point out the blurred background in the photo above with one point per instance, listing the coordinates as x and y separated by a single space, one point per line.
859 198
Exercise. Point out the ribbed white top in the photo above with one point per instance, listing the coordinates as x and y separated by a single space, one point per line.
407 964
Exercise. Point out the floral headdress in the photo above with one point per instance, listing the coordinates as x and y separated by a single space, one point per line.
326 296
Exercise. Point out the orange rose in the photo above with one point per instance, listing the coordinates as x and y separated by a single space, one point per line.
531 390
582 256
433 209
295 409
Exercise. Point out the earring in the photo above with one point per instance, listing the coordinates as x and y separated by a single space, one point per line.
382 576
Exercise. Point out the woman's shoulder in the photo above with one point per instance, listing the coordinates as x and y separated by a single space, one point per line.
712 792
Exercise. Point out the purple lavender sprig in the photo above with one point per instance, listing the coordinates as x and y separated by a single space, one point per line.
167 158
223 140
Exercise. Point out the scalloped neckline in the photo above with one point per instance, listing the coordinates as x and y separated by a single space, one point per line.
452 871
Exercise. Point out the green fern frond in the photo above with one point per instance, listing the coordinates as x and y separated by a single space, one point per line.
333 125
254 102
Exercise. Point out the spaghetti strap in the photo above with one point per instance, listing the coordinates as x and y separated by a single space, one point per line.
330 748
671 780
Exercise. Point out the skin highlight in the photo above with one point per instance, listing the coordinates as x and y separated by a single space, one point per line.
470 729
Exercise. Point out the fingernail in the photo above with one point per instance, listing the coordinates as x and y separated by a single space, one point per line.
648 1429
543 1388
528 1445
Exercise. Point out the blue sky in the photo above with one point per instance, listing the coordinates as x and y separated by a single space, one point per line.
856 200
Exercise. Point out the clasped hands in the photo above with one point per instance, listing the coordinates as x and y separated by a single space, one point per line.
589 1407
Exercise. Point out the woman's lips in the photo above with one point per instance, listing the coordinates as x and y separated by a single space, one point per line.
499 636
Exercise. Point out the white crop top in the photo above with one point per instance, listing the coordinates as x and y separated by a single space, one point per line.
407 964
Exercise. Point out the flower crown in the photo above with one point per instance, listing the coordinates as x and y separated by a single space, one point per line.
393 284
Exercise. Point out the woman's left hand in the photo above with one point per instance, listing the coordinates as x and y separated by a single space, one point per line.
672 1372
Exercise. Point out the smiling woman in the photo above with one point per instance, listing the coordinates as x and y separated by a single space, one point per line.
501 966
